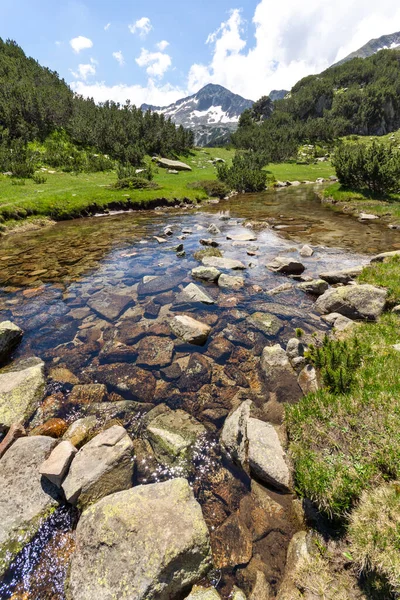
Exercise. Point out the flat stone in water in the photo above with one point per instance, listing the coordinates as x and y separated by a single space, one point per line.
242 237
155 352
160 284
109 304
269 324
222 263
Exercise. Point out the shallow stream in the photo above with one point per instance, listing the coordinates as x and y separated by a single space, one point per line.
49 278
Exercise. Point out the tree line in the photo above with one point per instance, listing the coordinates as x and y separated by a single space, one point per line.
35 102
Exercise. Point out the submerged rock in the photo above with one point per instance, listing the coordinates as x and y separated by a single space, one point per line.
147 542
108 304
21 390
155 352
25 500
157 285
79 432
354 301
231 543
103 466
190 330
10 337
192 293
269 324
173 433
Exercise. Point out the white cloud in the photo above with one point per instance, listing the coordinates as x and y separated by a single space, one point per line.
292 39
157 63
107 27
119 57
80 43
163 45
137 94
142 26
85 71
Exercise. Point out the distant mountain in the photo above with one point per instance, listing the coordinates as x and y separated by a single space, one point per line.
278 94
213 113
385 42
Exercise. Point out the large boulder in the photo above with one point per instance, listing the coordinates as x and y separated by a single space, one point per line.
10 337
354 301
103 466
25 499
286 265
22 388
255 445
172 435
175 165
147 543
190 330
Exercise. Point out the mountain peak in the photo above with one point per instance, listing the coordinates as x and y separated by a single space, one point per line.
213 112
385 42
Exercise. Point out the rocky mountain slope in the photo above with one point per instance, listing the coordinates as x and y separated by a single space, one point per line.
213 113
385 42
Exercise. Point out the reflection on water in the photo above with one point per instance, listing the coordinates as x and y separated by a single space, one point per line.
50 280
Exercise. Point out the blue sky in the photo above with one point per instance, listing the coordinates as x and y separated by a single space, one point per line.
160 51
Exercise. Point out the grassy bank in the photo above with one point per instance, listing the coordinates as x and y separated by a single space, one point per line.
291 171
345 443
66 195
356 202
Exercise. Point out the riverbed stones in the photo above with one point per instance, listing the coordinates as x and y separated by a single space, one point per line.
109 304
316 287
21 390
385 255
231 544
103 466
173 434
223 263
190 330
87 394
343 276
230 282
220 349
210 274
147 542
10 337
213 229
155 352
365 302
197 373
129 380
175 165
286 265
267 323
25 500
193 294
56 466
79 432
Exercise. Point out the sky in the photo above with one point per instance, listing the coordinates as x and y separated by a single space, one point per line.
156 52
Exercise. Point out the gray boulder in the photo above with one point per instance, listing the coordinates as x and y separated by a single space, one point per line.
308 380
355 302
339 322
384 255
147 543
193 294
206 273
316 287
342 276
21 390
190 330
306 251
25 500
279 375
213 229
56 466
10 337
174 165
103 466
286 265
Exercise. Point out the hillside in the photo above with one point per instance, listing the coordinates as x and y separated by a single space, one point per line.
385 42
213 113
361 96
